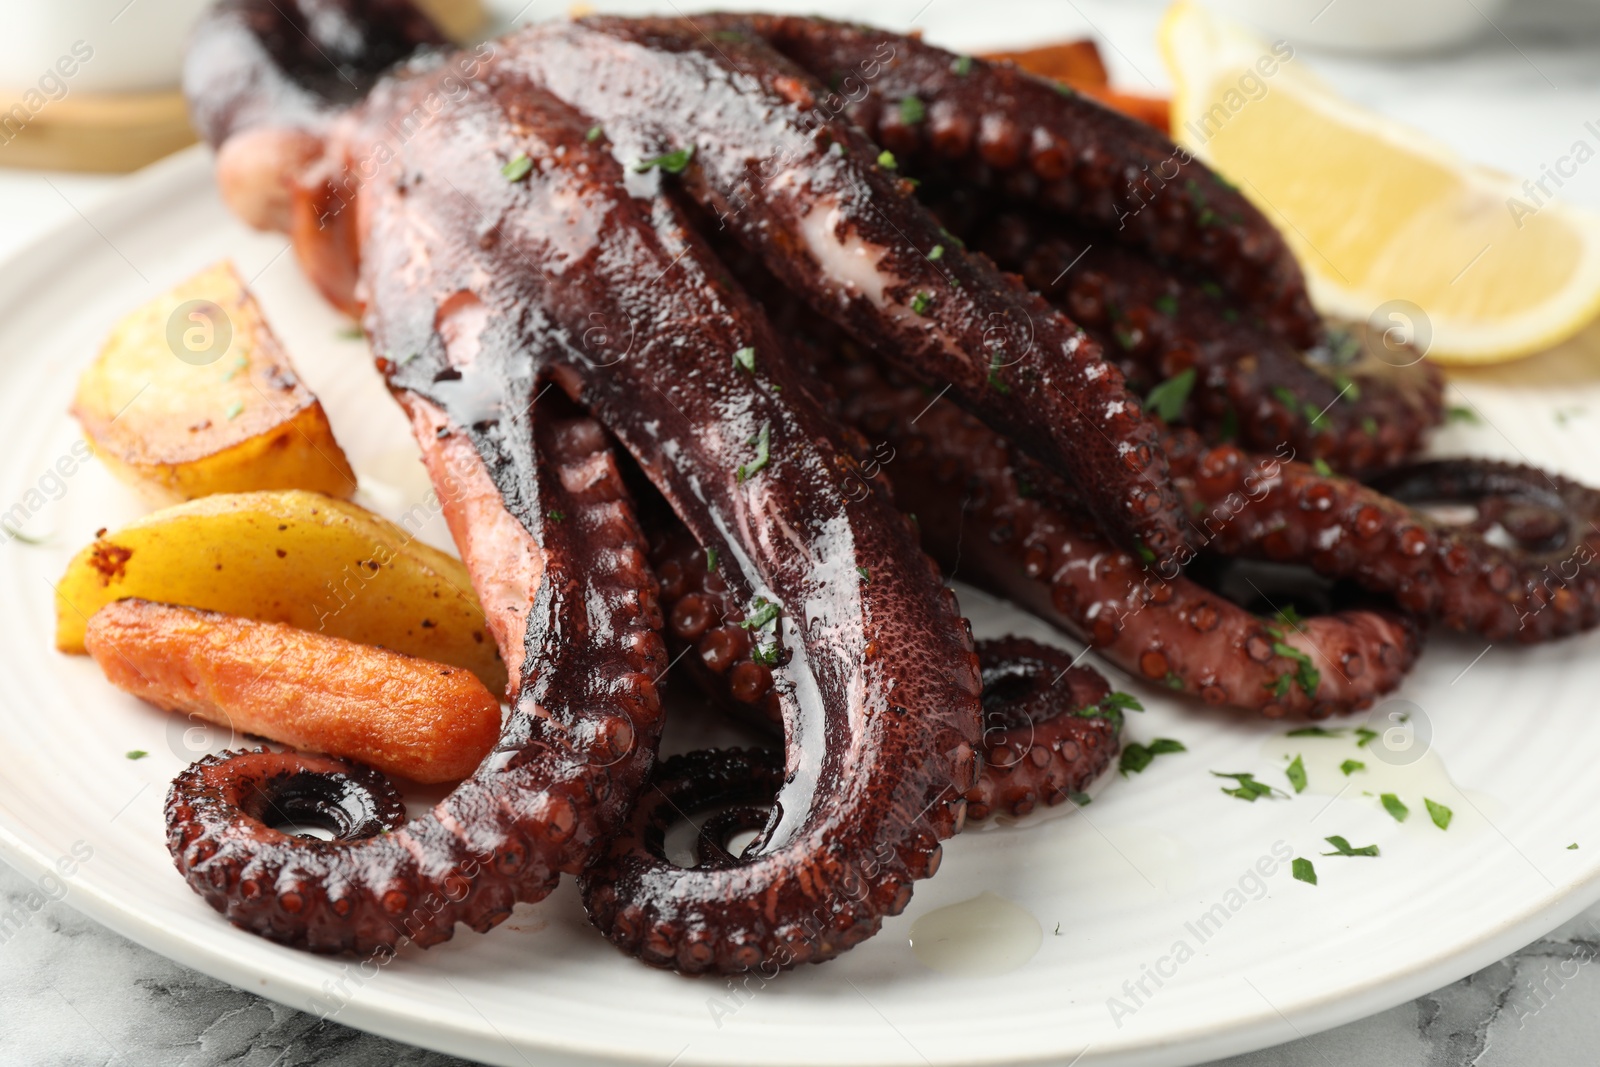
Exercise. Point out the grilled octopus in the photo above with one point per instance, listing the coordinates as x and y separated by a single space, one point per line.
580 252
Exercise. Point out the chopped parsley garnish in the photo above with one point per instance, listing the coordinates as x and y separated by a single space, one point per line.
1286 396
711 560
1347 386
1344 848
763 443
962 66
1211 288
1136 757
763 612
921 302
1320 465
912 111
1306 675
1457 413
517 167
1393 805
1111 708
1303 870
936 252
1065 90
866 576
1572 846
235 409
1144 552
555 515
1364 736
1229 430
1351 766
1173 680
886 160
137 753
1247 788
996 383
1316 731
1369 426
1440 814
1081 799
745 359
671 162
1168 398
594 134
1167 304
766 655
1296 773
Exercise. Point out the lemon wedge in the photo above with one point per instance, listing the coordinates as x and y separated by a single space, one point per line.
1391 227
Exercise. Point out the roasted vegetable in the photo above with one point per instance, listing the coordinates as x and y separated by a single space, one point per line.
192 394
406 716
293 557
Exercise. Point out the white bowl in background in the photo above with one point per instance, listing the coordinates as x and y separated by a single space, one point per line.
133 45
1371 26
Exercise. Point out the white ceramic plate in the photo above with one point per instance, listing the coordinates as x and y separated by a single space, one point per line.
1157 860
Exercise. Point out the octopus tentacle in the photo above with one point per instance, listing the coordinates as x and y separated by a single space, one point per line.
578 742
991 126
999 520
1543 585
1047 735
481 281
1036 749
832 218
1349 400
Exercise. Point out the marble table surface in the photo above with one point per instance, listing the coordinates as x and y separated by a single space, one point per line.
73 992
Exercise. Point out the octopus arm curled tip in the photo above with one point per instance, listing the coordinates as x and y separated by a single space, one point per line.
1520 563
1014 530
992 127
572 754
1043 739
830 216
483 280
1353 400
1055 742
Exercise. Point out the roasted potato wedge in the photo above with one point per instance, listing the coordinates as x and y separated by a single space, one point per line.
413 717
192 395
292 557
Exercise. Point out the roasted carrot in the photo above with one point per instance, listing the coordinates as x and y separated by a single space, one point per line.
1078 64
412 717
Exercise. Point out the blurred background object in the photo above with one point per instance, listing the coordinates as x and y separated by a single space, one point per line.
1369 26
92 85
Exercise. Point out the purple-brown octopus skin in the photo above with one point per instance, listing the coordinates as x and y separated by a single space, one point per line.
1047 730
1001 521
992 127
834 220
1544 584
1043 741
500 251
1353 400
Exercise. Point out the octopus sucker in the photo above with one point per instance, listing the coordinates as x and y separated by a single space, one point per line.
696 369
